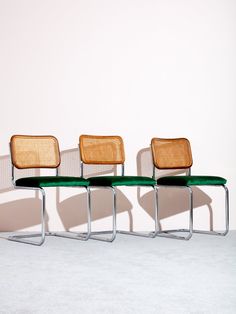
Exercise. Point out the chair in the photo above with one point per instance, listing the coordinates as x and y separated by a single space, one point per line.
176 154
42 152
109 150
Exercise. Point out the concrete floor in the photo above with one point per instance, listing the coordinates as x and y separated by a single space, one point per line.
131 275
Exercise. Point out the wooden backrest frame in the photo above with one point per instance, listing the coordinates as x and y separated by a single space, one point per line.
173 153
34 151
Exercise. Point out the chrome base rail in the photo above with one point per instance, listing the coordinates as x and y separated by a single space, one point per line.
22 238
43 234
83 236
168 233
190 231
114 230
93 235
150 234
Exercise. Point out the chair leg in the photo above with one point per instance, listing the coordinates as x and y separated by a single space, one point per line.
83 236
22 238
113 231
226 217
151 234
169 233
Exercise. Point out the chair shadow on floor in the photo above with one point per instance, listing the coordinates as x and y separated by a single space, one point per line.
72 210
171 201
19 214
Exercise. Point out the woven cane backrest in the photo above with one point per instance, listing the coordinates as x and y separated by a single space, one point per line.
34 151
101 149
171 153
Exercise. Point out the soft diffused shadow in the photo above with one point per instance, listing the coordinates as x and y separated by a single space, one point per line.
22 213
5 174
72 210
172 201
70 165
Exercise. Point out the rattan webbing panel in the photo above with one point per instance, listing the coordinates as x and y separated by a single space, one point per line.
101 149
171 153
34 151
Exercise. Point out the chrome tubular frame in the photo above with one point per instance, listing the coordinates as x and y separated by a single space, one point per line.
81 169
114 230
84 236
76 236
154 172
168 233
93 235
22 238
122 170
150 234
223 233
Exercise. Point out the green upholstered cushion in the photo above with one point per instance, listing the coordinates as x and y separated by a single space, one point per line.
51 181
191 180
121 180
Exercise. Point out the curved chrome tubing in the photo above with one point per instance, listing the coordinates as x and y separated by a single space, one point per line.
212 232
114 231
83 236
151 234
169 233
21 238
43 234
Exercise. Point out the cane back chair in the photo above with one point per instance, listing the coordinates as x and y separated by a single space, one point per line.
42 152
176 154
109 150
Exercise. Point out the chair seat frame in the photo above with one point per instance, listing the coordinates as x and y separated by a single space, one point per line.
115 231
163 151
190 230
68 234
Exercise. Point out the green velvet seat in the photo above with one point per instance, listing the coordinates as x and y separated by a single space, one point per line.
51 181
191 180
121 181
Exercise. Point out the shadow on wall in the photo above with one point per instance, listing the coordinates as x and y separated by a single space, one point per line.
72 210
22 213
171 201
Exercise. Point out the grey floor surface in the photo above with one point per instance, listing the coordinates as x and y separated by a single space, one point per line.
131 275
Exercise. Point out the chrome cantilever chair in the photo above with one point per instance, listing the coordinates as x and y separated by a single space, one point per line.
42 152
109 150
176 154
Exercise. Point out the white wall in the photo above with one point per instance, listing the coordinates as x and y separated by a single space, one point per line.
137 68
